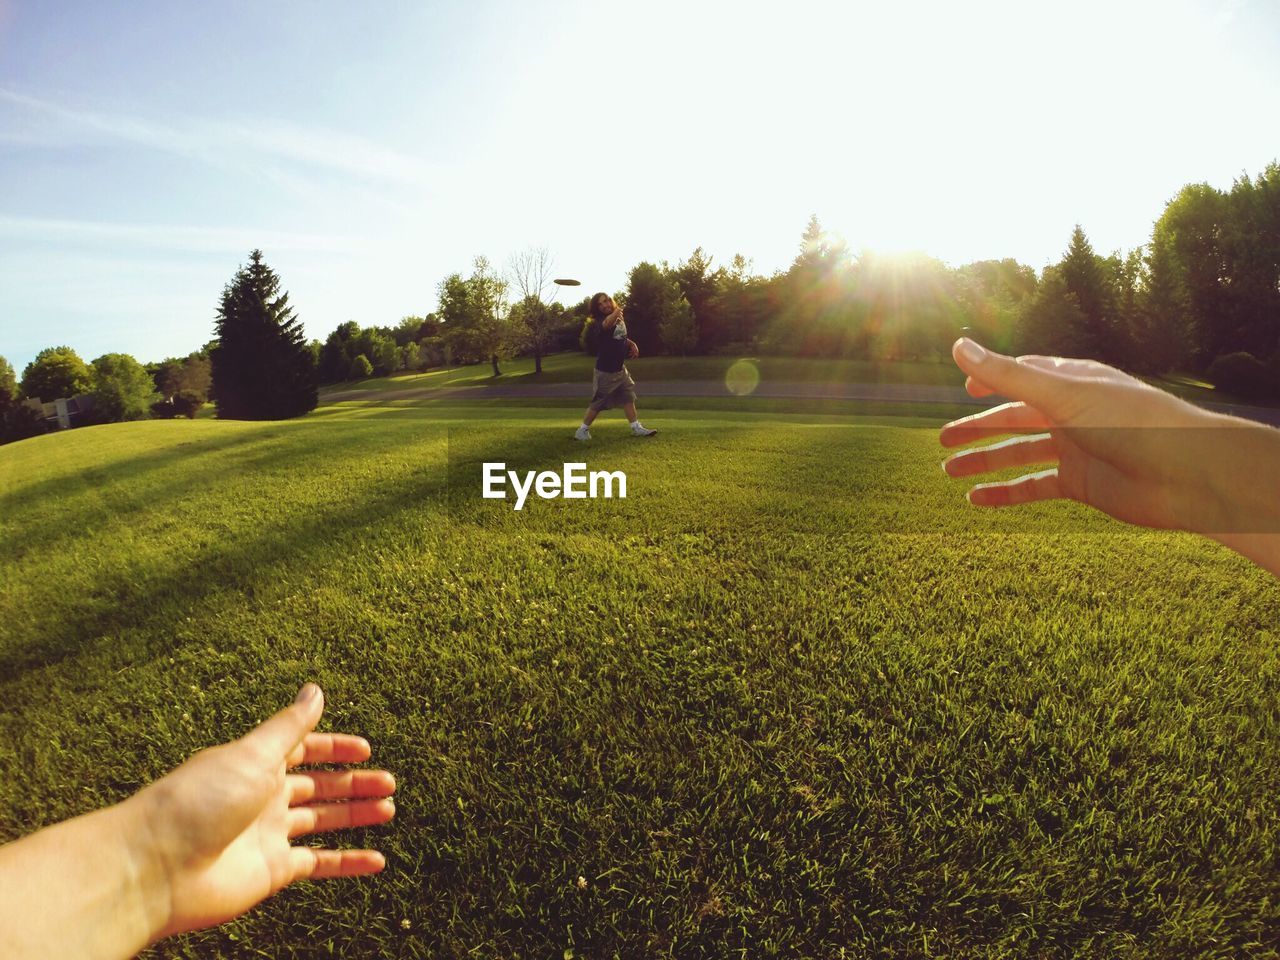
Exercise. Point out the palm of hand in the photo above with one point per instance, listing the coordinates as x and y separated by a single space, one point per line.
220 825
229 836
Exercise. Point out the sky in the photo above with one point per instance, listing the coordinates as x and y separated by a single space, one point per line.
372 149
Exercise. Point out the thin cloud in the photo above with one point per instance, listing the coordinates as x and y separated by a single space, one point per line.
166 237
231 142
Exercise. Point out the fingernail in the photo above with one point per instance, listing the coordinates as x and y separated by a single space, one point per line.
308 693
971 350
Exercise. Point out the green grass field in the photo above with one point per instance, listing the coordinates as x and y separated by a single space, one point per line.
576 368
792 697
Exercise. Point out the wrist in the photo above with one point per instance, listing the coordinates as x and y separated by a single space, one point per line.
147 880
1239 465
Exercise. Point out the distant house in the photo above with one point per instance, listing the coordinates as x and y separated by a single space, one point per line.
65 412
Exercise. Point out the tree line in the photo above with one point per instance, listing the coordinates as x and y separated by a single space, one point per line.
1202 297
115 387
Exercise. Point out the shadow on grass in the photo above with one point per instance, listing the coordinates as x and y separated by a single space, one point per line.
137 601
129 469
129 488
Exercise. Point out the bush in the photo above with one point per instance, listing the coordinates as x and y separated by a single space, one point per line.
187 403
361 368
163 410
20 422
1244 375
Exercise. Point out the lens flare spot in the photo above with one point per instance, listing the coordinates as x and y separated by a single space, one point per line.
742 378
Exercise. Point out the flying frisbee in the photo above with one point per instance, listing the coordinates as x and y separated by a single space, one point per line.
568 283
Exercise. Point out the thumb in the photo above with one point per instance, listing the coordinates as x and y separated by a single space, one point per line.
279 735
1043 389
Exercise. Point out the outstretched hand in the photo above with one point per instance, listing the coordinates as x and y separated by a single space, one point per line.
1109 440
218 830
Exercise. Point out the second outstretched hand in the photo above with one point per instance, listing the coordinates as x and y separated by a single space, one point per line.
220 828
1109 440
200 846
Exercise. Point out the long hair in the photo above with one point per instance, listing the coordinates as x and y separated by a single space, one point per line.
596 309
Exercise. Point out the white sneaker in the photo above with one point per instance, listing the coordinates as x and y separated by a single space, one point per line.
640 430
582 433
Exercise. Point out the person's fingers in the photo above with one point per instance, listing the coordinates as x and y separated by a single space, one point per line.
1007 418
1014 378
976 388
280 735
1074 367
330 748
320 817
339 785
1014 452
1025 489
309 863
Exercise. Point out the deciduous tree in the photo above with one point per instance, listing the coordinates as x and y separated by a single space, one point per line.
56 372
8 385
122 389
530 273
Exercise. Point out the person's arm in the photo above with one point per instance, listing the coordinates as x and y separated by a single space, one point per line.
632 350
199 846
612 319
1119 445
81 888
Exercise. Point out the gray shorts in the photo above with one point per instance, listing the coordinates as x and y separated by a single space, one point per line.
611 390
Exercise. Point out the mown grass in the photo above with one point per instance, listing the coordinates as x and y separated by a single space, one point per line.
576 367
792 697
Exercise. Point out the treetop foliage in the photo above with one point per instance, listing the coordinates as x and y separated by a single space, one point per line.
56 372
122 389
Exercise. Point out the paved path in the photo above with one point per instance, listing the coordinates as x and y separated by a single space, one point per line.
891 392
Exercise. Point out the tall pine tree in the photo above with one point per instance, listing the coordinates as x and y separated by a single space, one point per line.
1085 278
263 368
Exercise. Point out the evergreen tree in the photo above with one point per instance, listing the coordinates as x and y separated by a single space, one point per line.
1052 321
262 366
1086 279
1163 325
815 316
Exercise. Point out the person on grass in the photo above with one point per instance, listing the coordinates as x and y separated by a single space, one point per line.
198 847
611 384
